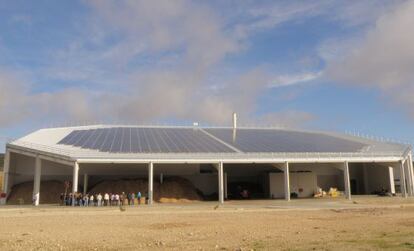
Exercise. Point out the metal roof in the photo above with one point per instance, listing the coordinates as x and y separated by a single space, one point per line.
169 142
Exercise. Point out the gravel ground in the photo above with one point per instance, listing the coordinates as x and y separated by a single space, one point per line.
363 224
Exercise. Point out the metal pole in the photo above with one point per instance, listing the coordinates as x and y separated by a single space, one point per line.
36 182
220 182
346 180
150 182
85 183
75 181
402 180
6 174
287 181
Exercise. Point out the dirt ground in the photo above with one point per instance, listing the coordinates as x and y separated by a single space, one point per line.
366 223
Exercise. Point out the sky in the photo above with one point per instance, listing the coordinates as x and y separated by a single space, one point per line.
345 66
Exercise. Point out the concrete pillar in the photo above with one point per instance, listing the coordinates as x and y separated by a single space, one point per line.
85 183
220 182
36 182
410 161
408 178
391 178
225 186
287 181
75 181
150 182
402 180
346 181
6 171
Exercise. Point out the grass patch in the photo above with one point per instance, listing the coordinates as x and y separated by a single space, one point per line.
258 245
389 241
409 245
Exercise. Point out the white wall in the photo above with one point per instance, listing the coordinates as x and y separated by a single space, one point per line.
377 177
304 184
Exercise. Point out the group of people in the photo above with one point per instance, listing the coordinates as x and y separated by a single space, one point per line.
106 199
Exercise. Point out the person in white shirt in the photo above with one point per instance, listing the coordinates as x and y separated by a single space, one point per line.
91 202
117 199
86 200
106 199
113 200
99 198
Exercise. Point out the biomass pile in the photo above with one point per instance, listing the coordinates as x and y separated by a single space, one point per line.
49 192
173 189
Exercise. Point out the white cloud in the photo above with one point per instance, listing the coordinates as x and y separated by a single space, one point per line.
18 103
384 59
152 60
287 80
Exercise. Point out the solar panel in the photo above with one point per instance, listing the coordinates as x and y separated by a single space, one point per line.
272 140
145 140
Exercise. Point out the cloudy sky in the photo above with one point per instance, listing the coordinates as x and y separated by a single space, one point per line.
330 65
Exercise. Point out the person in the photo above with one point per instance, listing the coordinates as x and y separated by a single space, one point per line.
132 199
62 199
86 200
106 199
117 199
129 199
113 200
35 198
91 200
122 198
99 199
139 198
70 198
79 199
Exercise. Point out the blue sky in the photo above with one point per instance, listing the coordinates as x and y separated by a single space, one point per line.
331 65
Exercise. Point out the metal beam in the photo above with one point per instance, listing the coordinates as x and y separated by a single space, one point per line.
391 178
408 175
37 180
402 180
410 161
287 181
75 181
347 181
6 172
220 174
255 160
85 183
150 182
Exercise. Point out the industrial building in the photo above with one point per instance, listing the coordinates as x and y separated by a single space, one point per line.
275 163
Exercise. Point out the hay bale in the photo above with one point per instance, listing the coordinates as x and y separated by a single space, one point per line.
49 193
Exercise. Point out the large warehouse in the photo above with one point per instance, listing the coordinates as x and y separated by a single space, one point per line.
278 163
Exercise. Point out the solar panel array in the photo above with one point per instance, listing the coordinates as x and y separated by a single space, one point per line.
266 140
192 140
145 140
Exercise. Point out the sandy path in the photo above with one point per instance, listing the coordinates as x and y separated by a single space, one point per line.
368 227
